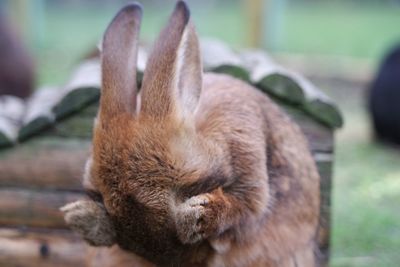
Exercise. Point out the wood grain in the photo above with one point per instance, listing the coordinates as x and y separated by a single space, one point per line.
34 208
41 248
45 162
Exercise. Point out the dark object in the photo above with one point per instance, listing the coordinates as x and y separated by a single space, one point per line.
16 68
384 99
44 250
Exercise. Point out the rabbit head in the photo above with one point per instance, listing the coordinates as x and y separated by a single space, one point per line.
145 146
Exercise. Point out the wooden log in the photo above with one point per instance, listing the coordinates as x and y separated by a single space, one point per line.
255 20
65 158
53 248
319 135
45 162
34 208
324 163
40 208
41 248
64 155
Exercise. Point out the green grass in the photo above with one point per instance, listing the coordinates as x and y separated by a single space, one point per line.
363 31
366 197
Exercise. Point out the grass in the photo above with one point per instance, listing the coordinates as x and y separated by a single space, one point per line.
366 191
365 201
324 27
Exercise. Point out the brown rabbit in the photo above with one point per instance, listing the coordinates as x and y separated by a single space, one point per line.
198 169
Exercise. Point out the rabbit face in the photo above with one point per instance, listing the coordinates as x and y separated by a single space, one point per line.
133 169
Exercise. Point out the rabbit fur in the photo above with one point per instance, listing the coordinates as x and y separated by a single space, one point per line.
198 169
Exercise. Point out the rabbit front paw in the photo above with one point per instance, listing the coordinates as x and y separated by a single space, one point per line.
91 221
194 219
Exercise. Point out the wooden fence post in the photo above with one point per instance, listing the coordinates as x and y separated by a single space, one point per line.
254 11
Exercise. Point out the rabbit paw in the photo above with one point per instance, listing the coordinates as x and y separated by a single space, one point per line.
194 219
91 221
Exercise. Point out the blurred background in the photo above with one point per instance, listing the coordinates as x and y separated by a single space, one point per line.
338 44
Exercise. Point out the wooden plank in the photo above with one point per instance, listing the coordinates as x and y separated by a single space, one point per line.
40 208
324 163
41 248
34 208
54 248
254 12
319 136
45 163
63 154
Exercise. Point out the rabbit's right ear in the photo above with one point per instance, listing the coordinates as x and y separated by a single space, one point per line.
119 61
172 80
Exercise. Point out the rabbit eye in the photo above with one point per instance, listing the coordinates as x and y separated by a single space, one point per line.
94 195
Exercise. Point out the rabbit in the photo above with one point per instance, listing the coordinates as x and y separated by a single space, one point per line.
196 169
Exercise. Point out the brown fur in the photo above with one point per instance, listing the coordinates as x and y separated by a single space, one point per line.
207 171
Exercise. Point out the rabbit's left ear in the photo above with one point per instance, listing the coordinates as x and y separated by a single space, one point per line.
173 78
119 60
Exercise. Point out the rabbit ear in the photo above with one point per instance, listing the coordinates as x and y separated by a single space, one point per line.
119 60
173 78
